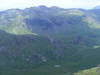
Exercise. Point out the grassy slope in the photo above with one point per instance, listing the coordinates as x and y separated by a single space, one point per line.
12 22
92 71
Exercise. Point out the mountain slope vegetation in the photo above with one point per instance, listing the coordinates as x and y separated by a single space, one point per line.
93 71
49 41
46 20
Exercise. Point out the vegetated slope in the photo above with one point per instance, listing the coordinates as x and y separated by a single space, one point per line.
92 71
31 54
68 40
44 20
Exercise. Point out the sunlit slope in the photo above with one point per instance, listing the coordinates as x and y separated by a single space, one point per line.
92 71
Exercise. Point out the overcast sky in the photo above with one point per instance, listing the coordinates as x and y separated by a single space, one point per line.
8 4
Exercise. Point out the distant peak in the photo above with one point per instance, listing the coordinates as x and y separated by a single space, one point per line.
43 6
97 7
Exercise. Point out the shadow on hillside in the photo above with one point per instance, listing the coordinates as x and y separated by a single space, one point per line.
18 51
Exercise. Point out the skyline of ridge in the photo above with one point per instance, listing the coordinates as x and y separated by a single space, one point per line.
22 4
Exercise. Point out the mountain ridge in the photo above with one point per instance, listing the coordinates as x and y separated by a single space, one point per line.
28 21
97 7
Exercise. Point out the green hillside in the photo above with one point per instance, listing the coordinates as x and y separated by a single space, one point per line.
52 20
93 71
49 41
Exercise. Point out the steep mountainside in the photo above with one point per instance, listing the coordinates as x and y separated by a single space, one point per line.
43 20
49 41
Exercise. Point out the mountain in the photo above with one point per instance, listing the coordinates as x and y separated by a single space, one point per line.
97 7
49 41
44 20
